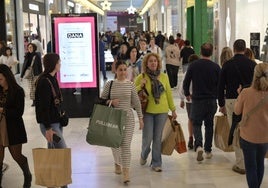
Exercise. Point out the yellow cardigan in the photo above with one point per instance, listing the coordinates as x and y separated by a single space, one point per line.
166 102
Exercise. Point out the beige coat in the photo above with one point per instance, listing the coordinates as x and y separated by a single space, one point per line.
172 55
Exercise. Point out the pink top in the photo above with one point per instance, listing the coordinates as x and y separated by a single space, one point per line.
255 129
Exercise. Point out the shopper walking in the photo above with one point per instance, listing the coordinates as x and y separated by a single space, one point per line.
253 132
160 102
237 71
34 60
123 95
12 129
204 75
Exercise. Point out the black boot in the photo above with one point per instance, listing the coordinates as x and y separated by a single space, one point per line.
191 143
1 175
27 175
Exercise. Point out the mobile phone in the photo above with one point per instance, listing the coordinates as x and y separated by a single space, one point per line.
56 138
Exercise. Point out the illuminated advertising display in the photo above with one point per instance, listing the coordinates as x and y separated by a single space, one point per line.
75 42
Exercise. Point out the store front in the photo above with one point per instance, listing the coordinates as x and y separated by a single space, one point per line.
34 21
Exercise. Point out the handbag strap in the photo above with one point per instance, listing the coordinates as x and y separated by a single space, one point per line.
258 106
56 101
32 61
109 94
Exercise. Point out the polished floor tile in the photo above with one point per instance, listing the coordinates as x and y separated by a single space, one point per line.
92 166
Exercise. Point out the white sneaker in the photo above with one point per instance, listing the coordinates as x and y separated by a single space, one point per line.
199 152
208 155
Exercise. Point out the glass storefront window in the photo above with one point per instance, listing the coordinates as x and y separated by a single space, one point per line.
10 25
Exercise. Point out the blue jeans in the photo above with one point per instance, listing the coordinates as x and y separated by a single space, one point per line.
58 129
254 161
203 110
152 132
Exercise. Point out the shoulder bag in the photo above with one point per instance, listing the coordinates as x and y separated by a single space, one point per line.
29 71
143 96
64 119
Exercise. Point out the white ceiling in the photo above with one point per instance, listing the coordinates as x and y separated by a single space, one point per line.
122 5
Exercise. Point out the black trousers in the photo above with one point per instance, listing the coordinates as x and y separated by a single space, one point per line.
172 72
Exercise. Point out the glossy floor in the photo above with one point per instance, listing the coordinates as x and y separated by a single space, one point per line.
92 167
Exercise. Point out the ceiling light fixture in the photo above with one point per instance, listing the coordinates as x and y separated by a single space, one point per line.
147 5
91 6
131 9
106 5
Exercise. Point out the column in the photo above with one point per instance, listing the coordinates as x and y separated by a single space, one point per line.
200 24
3 32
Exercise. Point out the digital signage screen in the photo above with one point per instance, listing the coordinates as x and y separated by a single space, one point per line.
75 41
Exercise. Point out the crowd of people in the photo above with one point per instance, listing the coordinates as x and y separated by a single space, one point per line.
234 85
207 87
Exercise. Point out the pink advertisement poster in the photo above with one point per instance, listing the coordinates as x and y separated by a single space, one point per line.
75 42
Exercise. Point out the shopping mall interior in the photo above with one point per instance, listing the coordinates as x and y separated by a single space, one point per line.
220 22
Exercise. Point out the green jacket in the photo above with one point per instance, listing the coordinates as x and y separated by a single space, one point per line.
166 102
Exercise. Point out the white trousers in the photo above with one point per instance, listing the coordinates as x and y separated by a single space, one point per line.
229 104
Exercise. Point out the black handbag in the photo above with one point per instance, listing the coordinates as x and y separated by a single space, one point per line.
64 119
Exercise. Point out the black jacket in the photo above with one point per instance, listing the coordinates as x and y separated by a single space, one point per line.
37 65
236 71
45 108
14 109
204 75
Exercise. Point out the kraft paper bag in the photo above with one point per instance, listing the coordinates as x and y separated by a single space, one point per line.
221 133
172 138
52 167
180 140
168 137
106 126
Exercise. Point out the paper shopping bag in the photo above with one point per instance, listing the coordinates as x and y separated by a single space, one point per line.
180 146
221 133
106 126
52 167
168 137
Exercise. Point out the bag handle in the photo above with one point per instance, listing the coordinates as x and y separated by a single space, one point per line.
32 61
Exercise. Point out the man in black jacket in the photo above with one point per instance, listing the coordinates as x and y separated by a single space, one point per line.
236 72
204 75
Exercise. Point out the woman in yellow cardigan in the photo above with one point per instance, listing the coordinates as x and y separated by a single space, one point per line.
160 102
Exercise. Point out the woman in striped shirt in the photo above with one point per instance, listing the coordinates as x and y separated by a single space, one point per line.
124 96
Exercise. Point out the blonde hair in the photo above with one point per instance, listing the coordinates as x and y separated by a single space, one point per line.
226 54
260 78
249 53
146 58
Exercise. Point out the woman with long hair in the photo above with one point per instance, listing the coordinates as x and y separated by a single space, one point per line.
12 129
